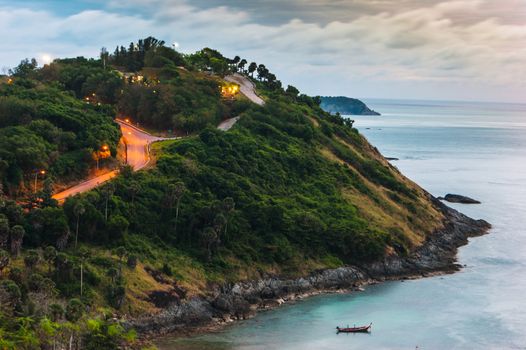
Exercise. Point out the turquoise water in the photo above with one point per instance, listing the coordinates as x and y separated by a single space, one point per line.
477 150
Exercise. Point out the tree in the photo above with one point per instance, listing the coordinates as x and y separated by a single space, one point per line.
17 236
219 223
4 260
242 65
252 68
50 254
291 90
62 267
113 274
177 191
31 259
104 57
234 62
109 189
117 227
262 72
135 188
79 209
11 293
209 238
56 312
47 193
4 231
74 310
83 255
121 254
24 68
228 207
132 261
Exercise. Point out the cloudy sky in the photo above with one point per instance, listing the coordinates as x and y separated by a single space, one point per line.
414 49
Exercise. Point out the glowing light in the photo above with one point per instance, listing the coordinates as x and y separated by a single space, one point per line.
105 147
127 120
43 172
46 58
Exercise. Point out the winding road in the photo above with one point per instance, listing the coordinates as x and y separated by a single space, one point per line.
138 156
138 141
246 86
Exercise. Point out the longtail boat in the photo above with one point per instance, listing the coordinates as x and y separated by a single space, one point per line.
362 329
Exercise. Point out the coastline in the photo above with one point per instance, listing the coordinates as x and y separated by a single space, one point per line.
225 305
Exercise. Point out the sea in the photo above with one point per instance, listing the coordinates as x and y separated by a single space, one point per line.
468 148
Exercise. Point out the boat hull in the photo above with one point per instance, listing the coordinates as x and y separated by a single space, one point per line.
364 329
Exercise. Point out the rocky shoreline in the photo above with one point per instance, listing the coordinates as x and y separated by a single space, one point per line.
231 302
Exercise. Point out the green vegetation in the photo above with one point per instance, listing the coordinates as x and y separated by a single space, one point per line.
288 190
44 127
345 105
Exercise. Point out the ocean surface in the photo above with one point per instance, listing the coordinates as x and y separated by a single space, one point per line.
474 149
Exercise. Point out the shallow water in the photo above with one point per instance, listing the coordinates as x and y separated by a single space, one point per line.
478 150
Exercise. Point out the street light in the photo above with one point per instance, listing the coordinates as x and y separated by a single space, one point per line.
41 172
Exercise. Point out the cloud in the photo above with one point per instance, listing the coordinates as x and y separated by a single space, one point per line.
458 48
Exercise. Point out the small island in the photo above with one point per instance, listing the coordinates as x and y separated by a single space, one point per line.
345 105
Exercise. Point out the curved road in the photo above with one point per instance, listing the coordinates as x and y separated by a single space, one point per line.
138 141
246 86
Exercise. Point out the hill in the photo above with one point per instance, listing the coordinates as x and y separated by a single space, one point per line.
345 105
288 191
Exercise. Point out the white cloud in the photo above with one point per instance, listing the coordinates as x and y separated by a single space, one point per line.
369 54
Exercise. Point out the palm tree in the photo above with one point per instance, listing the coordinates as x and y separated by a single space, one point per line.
178 192
4 231
31 259
61 265
74 310
219 223
228 207
135 187
56 311
17 236
113 273
252 68
209 237
108 191
121 253
4 260
83 255
78 210
50 254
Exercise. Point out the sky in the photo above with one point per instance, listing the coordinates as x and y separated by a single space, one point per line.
411 49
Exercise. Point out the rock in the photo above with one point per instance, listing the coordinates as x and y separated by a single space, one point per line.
267 293
456 198
437 253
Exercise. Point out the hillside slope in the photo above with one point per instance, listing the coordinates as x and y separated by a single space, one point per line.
287 191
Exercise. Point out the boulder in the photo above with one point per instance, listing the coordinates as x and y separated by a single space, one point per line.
456 198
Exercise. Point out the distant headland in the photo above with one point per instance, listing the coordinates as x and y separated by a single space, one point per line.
345 105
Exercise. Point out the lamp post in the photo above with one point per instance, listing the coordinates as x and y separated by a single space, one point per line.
42 172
